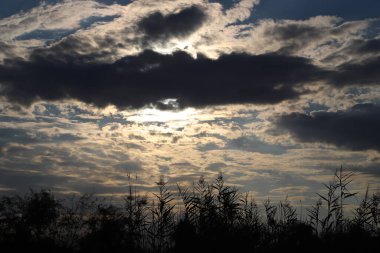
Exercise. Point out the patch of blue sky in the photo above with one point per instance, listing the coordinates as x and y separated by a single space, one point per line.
226 3
40 34
277 9
121 2
57 34
49 110
112 120
88 22
11 7
315 107
304 9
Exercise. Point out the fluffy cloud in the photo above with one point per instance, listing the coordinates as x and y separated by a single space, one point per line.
59 16
316 38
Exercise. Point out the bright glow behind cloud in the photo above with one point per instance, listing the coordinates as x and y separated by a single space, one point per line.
155 115
72 146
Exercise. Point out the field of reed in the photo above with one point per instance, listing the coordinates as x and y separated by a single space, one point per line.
214 217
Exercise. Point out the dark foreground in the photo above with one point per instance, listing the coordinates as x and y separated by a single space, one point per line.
213 218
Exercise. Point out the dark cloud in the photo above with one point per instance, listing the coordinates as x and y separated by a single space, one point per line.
136 81
362 73
136 137
216 167
159 27
122 2
245 143
254 144
129 167
362 70
21 136
355 129
208 147
164 169
296 33
23 181
371 169
6 51
135 146
365 47
8 135
184 166
296 36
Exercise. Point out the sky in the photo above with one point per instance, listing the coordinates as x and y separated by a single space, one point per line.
275 94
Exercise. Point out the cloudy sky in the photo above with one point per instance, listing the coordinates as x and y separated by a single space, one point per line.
276 94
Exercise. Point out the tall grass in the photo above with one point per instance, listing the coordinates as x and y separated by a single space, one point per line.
215 217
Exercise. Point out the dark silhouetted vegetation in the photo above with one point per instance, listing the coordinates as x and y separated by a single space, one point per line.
210 217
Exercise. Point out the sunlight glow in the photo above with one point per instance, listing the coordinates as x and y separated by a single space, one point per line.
155 115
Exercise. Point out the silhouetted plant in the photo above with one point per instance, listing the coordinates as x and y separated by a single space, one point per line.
332 203
204 200
271 213
73 222
162 219
314 214
343 180
228 205
39 211
288 216
367 213
250 213
107 229
136 219
216 218
30 221
375 212
190 202
337 194
363 214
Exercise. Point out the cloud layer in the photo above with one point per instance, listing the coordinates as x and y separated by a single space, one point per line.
356 128
149 77
136 59
273 103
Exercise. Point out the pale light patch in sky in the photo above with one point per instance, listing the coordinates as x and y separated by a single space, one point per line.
144 144
155 115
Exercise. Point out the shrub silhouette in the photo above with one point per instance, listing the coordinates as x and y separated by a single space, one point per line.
214 217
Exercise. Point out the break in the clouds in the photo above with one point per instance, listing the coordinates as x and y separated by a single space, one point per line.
356 128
